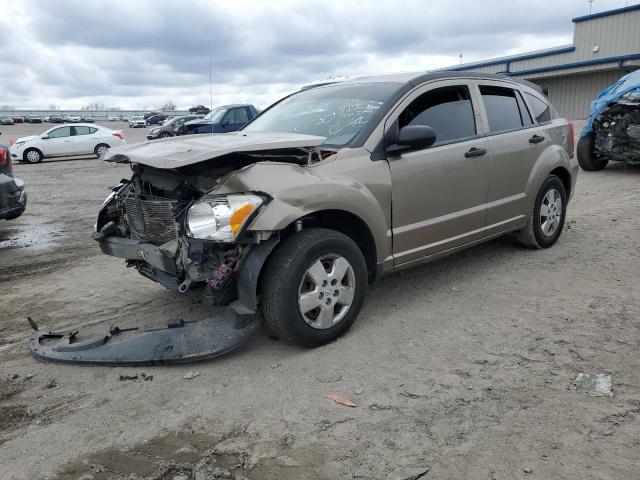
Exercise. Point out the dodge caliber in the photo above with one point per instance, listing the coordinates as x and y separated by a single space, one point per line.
296 214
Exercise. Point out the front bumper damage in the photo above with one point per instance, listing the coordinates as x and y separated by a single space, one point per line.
178 342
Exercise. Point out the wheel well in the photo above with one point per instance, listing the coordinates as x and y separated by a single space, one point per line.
346 223
565 176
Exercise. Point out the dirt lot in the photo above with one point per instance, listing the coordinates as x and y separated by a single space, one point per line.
464 367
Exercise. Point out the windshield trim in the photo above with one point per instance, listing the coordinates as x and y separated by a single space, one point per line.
361 137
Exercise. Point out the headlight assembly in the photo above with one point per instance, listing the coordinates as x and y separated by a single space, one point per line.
221 218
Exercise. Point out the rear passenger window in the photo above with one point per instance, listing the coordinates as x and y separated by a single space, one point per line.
447 110
82 130
503 109
541 109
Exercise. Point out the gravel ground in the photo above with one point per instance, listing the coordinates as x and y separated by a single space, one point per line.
464 368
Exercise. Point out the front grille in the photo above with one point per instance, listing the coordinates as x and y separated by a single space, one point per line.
151 219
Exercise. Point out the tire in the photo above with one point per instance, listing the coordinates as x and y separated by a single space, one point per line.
100 149
164 135
586 159
32 155
538 234
286 280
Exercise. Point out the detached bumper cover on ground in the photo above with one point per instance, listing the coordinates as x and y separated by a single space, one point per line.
179 342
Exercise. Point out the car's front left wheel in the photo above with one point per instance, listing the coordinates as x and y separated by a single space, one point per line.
33 155
313 287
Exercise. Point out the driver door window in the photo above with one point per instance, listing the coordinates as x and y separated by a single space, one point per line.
236 116
448 110
60 132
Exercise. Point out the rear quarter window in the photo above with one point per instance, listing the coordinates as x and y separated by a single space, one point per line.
541 109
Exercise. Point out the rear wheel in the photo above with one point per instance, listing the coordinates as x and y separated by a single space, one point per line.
548 215
33 155
313 287
164 135
101 149
586 159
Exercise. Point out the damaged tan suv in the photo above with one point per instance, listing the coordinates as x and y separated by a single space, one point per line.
334 186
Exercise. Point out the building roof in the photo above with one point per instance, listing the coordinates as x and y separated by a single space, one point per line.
606 13
568 57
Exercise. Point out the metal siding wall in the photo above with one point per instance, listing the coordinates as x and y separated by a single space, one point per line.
572 95
616 35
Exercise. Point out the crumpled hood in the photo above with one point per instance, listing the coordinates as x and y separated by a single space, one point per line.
176 152
27 139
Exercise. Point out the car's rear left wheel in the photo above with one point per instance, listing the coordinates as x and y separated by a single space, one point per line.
313 287
101 149
547 218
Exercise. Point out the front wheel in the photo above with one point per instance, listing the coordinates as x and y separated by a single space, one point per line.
586 159
548 215
313 287
33 156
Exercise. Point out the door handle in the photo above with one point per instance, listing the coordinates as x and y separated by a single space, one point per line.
536 139
475 152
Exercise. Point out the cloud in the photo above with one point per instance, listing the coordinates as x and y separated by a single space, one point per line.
135 54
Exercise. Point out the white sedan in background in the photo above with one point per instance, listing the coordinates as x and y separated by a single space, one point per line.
66 141
136 121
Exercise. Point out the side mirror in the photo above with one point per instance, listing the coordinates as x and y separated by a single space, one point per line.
226 123
412 137
44 136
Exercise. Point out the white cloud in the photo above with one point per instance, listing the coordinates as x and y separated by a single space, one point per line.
137 54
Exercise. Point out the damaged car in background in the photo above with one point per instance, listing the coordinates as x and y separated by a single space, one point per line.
295 215
612 132
13 197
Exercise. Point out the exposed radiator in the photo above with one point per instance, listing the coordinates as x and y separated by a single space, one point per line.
151 219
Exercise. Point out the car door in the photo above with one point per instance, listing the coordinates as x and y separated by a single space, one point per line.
85 139
439 194
59 143
515 143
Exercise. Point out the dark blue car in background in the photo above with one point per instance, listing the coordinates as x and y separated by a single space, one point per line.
227 118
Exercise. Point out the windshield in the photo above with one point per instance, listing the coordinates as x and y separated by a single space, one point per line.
337 112
137 118
215 115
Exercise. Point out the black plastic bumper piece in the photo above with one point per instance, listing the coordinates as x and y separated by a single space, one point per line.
178 342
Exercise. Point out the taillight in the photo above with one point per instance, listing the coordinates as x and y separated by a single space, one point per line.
118 134
3 157
571 139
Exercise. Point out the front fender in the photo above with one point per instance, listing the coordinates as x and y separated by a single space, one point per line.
298 191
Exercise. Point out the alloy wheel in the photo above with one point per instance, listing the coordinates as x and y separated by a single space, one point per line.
326 291
550 212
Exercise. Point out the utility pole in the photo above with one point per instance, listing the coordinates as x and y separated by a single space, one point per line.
460 59
590 5
210 77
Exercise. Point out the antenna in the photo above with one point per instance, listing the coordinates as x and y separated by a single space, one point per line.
210 78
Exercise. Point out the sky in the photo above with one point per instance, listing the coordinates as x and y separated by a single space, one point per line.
136 54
